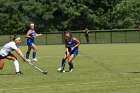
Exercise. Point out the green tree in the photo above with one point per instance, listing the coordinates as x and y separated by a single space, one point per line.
126 14
11 18
56 15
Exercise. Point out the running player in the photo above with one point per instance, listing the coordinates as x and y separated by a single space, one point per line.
5 53
71 45
31 34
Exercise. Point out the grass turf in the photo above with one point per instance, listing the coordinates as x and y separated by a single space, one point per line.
99 68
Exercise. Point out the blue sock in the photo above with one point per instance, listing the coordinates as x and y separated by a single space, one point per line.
34 54
63 63
27 55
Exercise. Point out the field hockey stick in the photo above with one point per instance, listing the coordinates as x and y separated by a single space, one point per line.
44 72
67 57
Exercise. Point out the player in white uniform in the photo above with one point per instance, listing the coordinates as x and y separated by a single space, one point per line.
5 53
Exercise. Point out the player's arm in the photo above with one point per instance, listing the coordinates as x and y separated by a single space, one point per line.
38 34
18 51
67 51
77 43
28 34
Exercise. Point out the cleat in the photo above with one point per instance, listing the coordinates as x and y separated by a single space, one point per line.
59 69
35 59
71 70
63 71
19 73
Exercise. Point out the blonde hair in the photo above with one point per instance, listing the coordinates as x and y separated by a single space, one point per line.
32 24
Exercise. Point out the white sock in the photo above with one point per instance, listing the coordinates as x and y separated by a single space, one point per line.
16 64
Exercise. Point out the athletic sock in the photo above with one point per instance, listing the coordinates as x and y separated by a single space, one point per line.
16 64
71 65
34 54
63 64
27 55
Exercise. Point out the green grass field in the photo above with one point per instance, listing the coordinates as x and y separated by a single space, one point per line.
99 68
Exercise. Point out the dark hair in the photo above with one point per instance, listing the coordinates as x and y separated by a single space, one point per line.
69 32
15 37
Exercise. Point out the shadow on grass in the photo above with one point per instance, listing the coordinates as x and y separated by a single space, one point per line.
135 72
63 72
6 74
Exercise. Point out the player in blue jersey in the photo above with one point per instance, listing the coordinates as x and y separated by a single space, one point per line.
31 34
71 45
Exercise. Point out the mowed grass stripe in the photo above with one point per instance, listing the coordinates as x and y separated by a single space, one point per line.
102 68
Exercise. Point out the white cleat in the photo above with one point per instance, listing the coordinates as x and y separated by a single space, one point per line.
71 70
59 69
35 59
63 71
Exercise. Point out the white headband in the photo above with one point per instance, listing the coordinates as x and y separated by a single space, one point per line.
17 39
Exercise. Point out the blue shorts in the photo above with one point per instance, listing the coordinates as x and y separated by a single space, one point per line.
30 42
74 52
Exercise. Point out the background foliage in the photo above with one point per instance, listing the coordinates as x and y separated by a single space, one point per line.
56 15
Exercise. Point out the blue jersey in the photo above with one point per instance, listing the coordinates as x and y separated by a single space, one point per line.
30 41
71 44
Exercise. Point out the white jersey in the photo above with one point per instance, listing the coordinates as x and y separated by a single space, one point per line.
7 48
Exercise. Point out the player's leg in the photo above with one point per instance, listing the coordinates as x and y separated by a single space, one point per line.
16 64
34 52
71 67
28 53
73 54
1 64
87 39
63 63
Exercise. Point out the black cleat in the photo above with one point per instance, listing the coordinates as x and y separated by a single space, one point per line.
19 73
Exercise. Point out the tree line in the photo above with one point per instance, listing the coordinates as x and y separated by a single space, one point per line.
59 15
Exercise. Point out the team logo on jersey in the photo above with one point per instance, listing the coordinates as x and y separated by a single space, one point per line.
69 42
